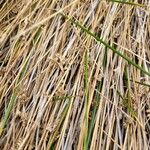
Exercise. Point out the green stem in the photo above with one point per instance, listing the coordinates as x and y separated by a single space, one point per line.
78 24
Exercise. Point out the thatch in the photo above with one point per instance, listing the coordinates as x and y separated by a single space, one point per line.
62 89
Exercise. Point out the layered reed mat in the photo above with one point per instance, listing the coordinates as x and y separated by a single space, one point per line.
74 75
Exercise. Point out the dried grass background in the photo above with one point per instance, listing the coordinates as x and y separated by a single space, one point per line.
44 60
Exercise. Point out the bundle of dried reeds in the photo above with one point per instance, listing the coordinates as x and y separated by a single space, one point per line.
74 74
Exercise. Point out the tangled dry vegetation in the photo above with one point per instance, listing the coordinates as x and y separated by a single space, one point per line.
61 88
